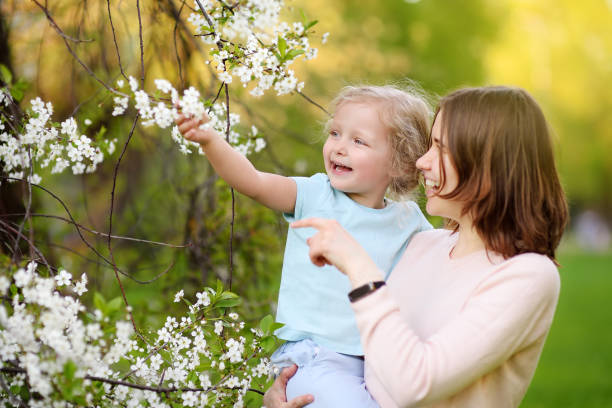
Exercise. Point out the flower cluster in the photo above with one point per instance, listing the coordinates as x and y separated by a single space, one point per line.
40 143
252 44
56 353
163 113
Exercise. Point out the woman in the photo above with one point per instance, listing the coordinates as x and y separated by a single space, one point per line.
462 319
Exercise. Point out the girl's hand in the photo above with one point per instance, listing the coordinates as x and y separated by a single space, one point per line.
276 396
190 129
332 245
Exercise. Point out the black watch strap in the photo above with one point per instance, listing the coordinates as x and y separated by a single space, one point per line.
364 290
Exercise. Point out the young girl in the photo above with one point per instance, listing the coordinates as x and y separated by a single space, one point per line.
375 137
463 318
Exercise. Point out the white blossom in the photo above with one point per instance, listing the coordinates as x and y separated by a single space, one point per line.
218 327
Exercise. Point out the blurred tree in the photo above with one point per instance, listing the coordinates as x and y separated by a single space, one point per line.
561 51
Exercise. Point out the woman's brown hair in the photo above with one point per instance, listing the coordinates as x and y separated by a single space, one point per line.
500 144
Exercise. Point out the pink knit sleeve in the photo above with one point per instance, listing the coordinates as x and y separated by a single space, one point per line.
506 313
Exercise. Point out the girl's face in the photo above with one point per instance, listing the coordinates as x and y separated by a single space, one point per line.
357 153
438 170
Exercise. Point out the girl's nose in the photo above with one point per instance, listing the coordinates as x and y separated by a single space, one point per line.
340 147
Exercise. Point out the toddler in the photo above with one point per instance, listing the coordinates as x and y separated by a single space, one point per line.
374 138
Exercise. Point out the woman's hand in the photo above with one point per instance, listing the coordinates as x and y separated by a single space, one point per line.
332 245
190 129
276 396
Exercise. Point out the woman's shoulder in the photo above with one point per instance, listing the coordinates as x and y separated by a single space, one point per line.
432 237
531 261
537 271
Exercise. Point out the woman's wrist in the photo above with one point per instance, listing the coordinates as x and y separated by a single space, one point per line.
364 290
363 271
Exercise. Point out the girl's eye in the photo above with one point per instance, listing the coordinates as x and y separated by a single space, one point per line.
359 142
333 133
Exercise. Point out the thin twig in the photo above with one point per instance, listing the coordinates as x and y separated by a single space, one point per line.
94 250
110 18
178 58
110 229
57 217
61 33
30 243
313 102
28 208
142 70
231 238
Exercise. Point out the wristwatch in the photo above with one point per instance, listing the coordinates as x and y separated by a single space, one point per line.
364 290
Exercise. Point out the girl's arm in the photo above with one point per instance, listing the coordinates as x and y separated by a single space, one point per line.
272 190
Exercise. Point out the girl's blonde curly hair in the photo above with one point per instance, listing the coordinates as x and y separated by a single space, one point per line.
407 115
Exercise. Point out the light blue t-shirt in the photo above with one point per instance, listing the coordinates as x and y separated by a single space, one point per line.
313 300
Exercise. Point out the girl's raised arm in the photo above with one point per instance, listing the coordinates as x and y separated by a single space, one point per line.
272 190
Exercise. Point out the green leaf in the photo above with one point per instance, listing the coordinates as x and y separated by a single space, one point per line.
282 47
69 370
266 323
267 343
99 302
275 327
311 24
219 286
101 133
230 302
114 305
18 89
5 74
17 94
293 53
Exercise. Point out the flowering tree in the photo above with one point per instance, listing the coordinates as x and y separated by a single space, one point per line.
55 350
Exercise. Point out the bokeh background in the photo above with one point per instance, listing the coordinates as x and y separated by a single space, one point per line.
560 51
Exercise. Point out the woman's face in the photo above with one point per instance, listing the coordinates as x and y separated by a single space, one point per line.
431 165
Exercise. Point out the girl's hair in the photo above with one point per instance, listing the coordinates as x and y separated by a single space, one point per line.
500 144
407 115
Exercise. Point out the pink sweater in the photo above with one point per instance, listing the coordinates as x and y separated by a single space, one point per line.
463 332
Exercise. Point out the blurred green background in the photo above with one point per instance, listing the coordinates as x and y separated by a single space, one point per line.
560 51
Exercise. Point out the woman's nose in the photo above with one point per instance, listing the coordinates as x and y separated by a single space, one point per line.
424 162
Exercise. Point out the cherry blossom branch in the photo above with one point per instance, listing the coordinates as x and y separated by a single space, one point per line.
12 398
159 390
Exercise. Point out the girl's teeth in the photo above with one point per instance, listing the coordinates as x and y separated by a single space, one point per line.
431 183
